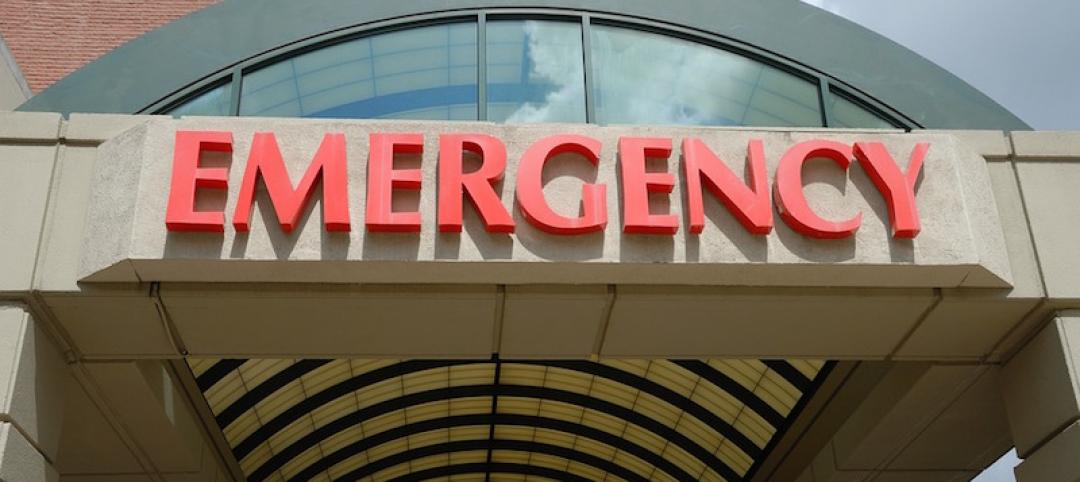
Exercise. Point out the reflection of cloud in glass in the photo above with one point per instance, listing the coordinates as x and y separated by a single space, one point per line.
648 78
555 55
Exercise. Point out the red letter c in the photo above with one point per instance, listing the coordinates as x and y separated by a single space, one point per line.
790 199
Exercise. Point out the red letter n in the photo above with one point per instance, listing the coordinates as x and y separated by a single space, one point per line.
265 159
750 205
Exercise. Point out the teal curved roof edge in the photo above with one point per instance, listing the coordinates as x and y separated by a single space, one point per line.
150 67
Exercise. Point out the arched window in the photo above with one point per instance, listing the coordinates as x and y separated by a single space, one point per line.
531 70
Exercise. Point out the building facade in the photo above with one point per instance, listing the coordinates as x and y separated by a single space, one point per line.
508 240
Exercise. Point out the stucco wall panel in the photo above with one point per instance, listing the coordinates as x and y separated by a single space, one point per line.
703 322
390 321
26 170
32 380
20 461
1053 205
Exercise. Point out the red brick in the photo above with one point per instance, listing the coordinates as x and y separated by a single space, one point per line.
52 38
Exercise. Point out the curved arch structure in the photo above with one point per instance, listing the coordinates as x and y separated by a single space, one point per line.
690 420
209 43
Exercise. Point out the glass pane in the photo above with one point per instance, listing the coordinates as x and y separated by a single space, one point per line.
646 78
212 102
535 72
845 113
421 73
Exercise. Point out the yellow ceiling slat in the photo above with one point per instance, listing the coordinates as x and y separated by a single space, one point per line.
585 470
598 449
552 437
769 386
341 439
632 463
514 432
425 380
657 409
809 368
284 398
637 367
509 457
225 392
324 377
682 459
201 365
672 377
603 421
568 380
699 433
519 406
298 463
241 428
739 371
255 459
255 372
334 410
731 453
291 433
560 410
784 391
644 438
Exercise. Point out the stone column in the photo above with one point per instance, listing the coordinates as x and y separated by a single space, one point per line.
32 380
1041 389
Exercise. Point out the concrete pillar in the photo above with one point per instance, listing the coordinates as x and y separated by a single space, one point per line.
1041 389
32 381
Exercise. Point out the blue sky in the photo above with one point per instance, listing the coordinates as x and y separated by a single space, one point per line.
1022 54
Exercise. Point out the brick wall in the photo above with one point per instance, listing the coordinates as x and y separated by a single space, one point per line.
51 38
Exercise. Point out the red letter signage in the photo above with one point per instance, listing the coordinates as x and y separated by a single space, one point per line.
383 179
188 177
638 183
747 197
790 200
265 159
479 184
530 189
897 187
750 205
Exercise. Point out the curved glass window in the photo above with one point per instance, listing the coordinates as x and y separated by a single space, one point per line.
212 102
649 78
535 72
421 73
847 114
